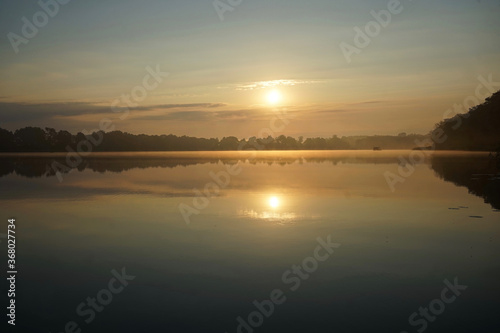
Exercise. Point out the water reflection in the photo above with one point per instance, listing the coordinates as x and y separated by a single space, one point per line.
479 174
476 171
122 210
41 164
281 218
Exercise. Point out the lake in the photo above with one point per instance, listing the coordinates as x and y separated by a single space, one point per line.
314 241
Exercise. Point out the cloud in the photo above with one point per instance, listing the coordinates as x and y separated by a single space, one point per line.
181 115
77 115
11 112
273 83
250 114
175 106
330 111
29 112
370 102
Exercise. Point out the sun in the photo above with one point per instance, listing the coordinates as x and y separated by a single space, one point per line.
274 202
274 97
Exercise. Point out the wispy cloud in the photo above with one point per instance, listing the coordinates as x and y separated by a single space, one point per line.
273 84
175 106
203 116
331 111
12 112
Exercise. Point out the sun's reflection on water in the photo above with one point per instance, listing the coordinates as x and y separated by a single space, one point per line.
271 216
274 209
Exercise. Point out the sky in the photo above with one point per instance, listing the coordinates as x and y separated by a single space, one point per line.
233 70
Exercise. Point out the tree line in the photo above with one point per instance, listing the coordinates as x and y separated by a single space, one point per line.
478 129
36 139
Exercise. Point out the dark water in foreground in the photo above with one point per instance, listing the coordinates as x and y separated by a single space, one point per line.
256 240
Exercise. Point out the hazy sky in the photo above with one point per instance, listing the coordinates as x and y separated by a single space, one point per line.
223 74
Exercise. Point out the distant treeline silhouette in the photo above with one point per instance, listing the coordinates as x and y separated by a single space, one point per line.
35 139
478 129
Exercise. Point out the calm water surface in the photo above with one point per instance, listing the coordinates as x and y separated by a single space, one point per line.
122 210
